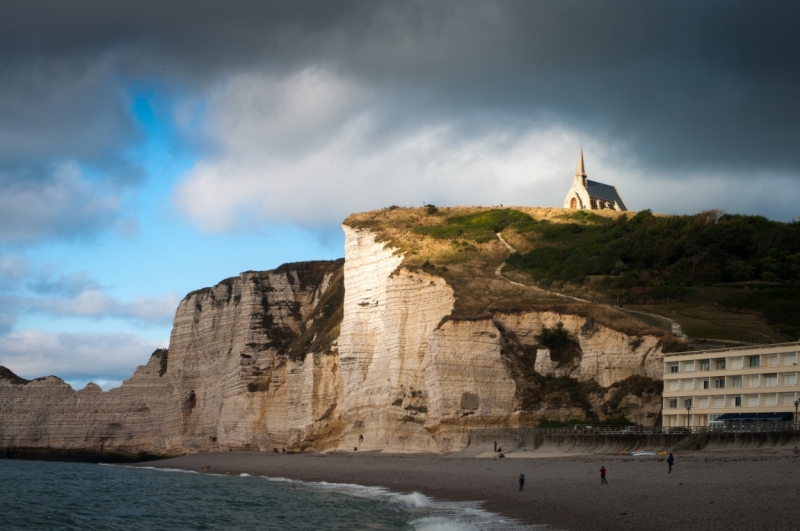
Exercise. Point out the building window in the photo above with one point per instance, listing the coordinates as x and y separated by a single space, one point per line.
737 401
736 363
706 384
719 401
673 403
673 385
755 361
752 400
705 365
790 379
688 402
673 368
702 401
790 359
752 381
719 383
688 384
771 361
689 366
736 381
770 380
787 399
771 399
720 364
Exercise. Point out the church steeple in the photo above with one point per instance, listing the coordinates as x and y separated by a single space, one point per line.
580 173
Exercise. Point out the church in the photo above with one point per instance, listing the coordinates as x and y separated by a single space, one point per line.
591 195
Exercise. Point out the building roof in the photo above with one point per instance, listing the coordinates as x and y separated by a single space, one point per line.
791 345
605 192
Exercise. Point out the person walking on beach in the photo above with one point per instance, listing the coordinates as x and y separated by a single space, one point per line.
670 462
603 476
521 481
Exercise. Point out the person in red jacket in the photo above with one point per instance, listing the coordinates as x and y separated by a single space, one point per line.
603 476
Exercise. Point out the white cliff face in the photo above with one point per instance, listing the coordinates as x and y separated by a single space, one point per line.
242 371
607 355
406 371
46 416
227 381
417 381
471 384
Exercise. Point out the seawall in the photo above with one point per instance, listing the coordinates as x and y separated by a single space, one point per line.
544 445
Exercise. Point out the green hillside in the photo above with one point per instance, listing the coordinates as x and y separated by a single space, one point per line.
723 277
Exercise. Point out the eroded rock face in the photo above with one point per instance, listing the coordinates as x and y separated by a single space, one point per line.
227 380
416 380
607 356
327 355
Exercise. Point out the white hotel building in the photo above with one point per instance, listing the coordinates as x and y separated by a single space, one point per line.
711 383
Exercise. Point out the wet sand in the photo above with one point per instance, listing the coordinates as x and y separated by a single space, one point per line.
742 490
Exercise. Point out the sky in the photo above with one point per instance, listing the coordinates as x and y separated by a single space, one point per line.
150 148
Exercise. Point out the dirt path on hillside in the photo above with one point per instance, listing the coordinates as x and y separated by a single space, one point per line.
675 326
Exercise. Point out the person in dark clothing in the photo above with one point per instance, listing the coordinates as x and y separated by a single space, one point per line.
670 462
603 476
495 446
521 481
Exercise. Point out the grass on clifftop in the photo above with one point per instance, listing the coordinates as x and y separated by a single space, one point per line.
726 277
459 244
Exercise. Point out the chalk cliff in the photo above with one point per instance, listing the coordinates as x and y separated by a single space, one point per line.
365 352
230 378
417 380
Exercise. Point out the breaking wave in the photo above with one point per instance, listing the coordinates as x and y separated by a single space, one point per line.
426 513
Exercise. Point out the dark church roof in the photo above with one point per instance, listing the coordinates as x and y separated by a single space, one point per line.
605 192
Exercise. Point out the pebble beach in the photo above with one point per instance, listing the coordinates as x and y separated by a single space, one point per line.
730 490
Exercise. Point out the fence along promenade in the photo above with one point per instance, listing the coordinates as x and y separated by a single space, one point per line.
588 429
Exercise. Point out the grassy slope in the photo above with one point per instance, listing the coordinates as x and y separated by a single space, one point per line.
459 244
720 276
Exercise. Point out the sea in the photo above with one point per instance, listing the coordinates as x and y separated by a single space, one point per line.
47 495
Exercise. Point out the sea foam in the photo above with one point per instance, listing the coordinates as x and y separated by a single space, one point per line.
432 515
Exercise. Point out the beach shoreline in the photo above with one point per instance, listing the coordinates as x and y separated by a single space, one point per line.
744 489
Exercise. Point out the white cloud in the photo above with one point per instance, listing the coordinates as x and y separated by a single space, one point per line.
61 204
25 289
79 357
97 304
313 147
310 149
45 282
668 194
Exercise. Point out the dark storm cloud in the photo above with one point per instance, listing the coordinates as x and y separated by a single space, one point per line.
702 86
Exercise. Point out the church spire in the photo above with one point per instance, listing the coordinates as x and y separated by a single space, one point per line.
580 172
